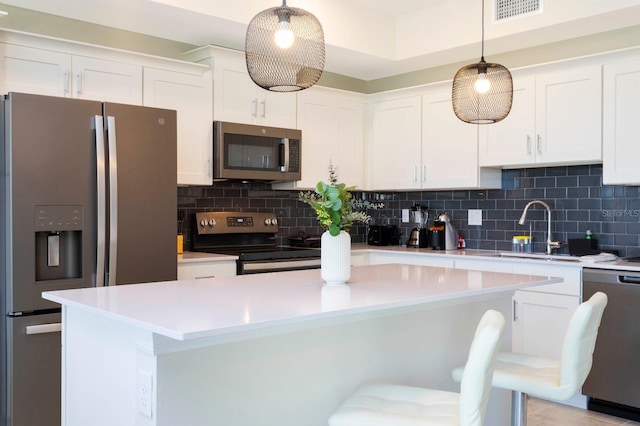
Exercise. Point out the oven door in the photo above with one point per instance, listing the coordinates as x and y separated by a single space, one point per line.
246 267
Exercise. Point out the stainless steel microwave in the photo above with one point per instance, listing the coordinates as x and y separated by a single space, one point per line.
251 152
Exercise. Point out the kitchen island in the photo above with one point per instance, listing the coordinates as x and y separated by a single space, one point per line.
269 349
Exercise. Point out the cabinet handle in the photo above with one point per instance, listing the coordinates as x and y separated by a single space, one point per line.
254 108
529 144
66 82
515 308
209 171
207 277
424 173
415 174
263 104
539 145
79 83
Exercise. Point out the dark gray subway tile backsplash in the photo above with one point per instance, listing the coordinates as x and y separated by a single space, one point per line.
577 198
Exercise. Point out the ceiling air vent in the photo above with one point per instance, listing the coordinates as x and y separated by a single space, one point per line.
509 9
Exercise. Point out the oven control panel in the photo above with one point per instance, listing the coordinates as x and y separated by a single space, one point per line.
235 223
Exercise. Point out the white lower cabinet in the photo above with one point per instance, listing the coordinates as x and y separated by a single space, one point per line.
209 269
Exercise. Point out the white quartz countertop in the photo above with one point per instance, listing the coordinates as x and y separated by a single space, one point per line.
193 309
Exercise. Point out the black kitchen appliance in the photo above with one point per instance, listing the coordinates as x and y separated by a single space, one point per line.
383 235
252 237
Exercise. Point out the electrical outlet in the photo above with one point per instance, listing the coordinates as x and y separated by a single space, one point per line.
144 393
405 215
475 217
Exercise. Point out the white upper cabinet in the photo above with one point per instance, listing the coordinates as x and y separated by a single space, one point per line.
332 125
47 72
555 120
238 99
396 144
450 147
190 94
621 123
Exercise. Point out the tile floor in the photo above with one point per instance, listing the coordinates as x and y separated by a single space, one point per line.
545 413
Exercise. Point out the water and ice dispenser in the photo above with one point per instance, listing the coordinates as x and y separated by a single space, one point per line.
58 242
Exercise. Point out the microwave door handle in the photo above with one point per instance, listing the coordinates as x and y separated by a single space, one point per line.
284 155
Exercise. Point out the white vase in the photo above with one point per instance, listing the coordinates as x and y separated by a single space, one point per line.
336 257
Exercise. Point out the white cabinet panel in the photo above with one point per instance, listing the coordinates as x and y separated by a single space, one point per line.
450 147
37 71
204 270
396 140
332 125
191 96
540 322
108 81
621 123
46 72
238 99
555 120
381 257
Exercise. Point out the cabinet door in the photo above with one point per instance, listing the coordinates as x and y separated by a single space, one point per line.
569 116
348 126
332 132
191 96
510 142
238 99
396 153
449 145
621 124
540 322
206 270
107 81
36 71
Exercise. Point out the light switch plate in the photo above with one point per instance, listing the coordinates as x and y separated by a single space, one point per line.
405 215
475 217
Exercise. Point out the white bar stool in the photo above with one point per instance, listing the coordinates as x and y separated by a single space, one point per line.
394 405
549 378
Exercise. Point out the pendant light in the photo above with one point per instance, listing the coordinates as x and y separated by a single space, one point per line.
284 49
483 92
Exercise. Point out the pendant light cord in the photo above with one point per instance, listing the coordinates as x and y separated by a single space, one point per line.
482 48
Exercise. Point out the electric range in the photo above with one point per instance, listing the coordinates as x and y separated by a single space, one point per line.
252 237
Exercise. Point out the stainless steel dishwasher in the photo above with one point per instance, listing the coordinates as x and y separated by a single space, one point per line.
613 385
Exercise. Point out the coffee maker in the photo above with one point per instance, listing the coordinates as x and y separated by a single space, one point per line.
418 236
442 235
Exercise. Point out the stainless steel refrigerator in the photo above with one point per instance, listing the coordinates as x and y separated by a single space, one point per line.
88 199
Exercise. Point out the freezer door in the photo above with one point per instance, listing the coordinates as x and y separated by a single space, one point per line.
142 170
50 180
33 365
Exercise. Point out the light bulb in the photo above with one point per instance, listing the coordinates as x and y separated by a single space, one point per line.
284 36
482 85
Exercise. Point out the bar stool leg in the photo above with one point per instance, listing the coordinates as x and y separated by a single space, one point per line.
518 408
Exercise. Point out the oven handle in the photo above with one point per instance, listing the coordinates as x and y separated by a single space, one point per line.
279 265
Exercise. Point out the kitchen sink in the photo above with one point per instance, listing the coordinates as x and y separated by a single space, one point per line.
538 256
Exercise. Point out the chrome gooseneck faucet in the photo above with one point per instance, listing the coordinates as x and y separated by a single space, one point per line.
551 245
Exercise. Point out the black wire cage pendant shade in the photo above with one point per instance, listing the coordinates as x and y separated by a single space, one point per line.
284 49
482 93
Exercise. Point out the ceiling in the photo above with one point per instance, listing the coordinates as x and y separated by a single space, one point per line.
366 39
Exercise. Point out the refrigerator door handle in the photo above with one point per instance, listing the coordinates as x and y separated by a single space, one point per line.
113 201
101 200
43 328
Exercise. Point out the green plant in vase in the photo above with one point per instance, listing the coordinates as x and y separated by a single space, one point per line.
335 206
